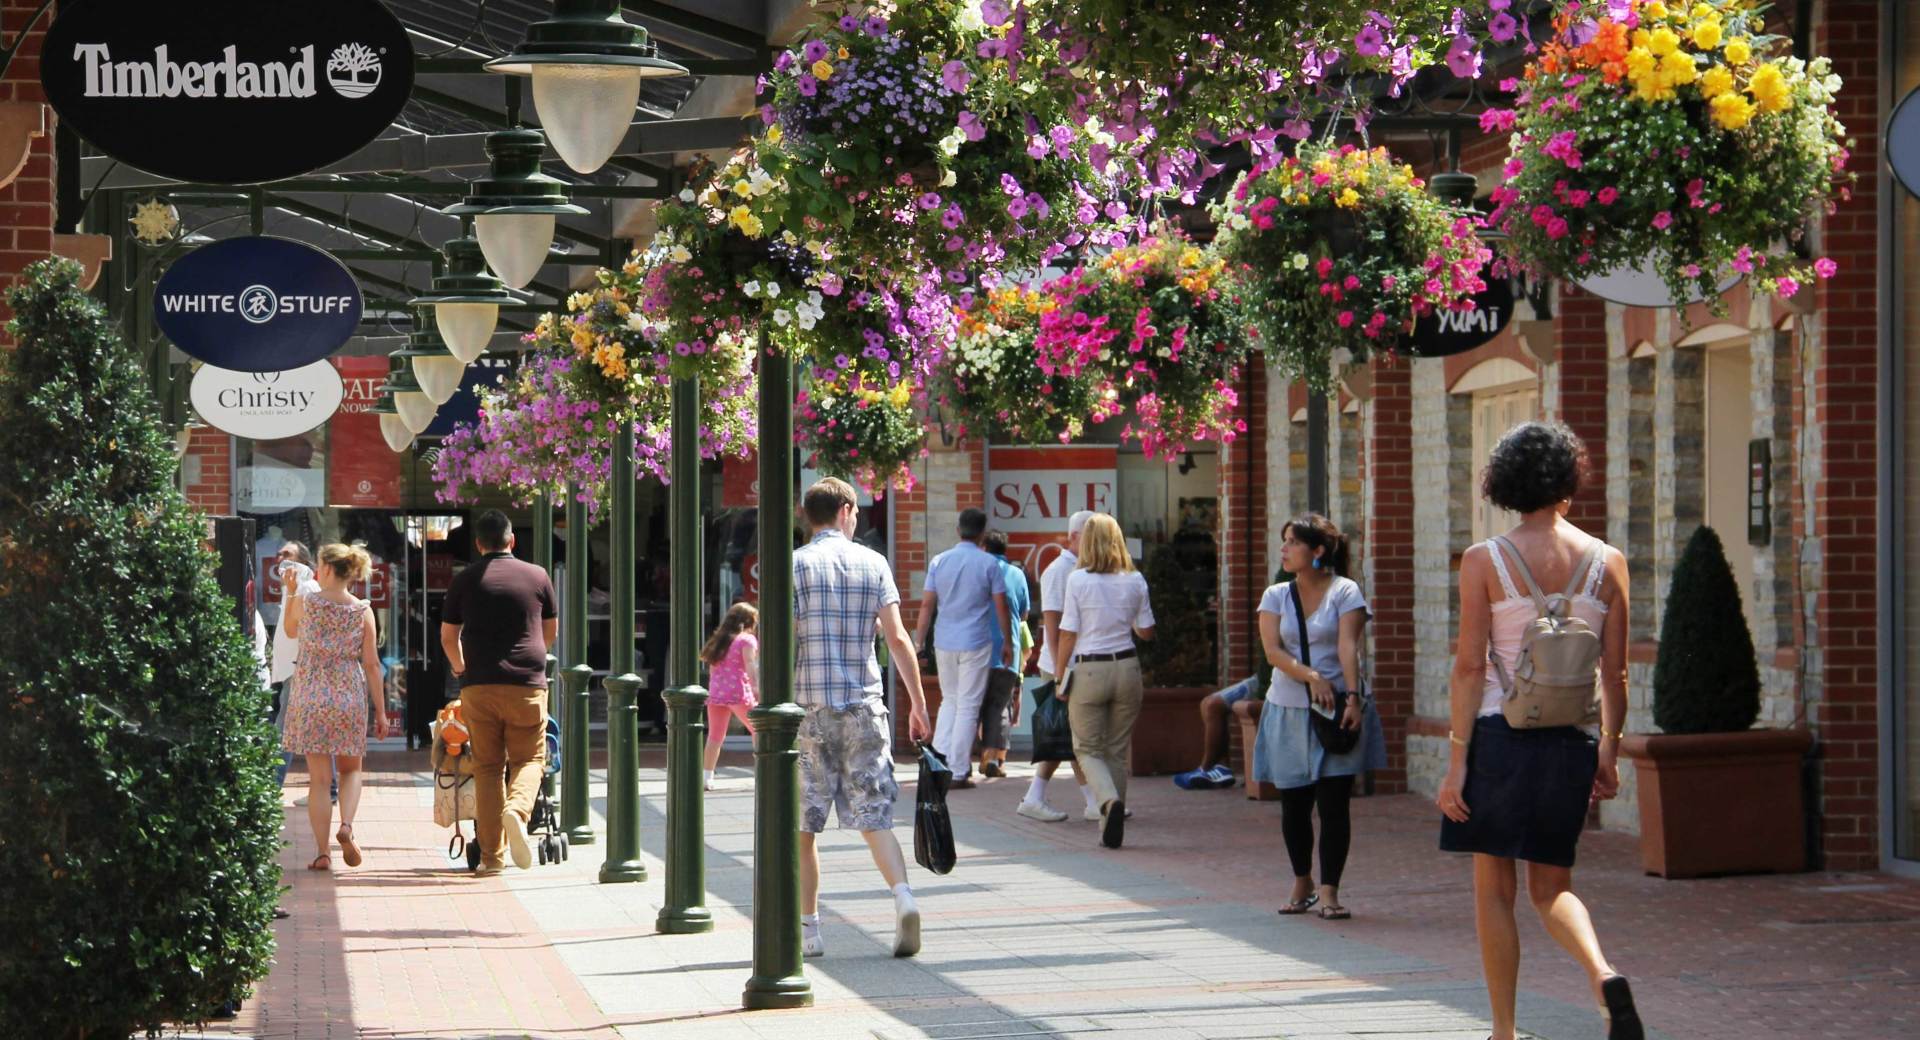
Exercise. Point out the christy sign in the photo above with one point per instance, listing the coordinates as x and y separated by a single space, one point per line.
267 406
227 91
257 304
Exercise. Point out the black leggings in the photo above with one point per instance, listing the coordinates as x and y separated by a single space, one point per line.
1331 794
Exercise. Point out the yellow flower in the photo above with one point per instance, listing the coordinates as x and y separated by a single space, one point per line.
1663 41
1704 12
1731 111
1706 35
1656 11
1678 68
742 188
1348 198
1770 88
1717 81
1640 62
1738 52
773 134
582 340
822 70
900 395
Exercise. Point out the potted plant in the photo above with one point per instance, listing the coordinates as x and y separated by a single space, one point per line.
1679 134
1716 795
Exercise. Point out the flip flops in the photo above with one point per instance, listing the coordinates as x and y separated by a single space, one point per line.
1299 906
1335 912
321 862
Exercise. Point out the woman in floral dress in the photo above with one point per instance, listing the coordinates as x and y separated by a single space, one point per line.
327 710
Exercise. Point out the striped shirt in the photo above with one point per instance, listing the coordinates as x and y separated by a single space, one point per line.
839 589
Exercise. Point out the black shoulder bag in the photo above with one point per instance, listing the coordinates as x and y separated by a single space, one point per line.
1337 739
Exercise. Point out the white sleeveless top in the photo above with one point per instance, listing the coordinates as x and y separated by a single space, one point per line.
1516 611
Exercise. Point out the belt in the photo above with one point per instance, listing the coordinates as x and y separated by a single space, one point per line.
1119 656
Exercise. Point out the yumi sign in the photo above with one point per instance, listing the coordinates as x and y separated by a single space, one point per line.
227 91
266 406
257 304
1448 332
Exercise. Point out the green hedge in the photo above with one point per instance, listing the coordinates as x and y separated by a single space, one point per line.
137 860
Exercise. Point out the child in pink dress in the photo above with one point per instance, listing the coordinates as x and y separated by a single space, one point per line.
733 664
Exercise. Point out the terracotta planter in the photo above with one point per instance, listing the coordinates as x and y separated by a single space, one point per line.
1247 715
1720 803
1168 736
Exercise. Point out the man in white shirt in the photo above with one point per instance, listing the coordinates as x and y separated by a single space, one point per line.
1053 596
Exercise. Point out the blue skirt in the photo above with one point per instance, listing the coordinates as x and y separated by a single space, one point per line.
1527 792
1287 754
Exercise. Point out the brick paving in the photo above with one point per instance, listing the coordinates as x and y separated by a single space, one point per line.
1041 934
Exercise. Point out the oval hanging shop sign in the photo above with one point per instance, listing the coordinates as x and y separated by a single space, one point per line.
227 91
257 304
1446 333
267 406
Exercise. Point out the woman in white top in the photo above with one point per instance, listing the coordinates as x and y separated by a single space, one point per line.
1325 672
1106 607
1523 794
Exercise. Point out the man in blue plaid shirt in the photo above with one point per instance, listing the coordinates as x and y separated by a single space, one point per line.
841 591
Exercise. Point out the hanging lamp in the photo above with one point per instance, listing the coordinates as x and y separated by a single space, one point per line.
515 205
410 400
433 365
587 64
466 300
392 426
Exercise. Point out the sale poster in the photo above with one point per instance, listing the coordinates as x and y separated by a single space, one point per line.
362 472
1032 491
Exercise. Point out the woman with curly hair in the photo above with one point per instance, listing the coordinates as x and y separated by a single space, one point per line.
1512 793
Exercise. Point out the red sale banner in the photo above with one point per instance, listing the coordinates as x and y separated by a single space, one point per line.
362 472
740 482
1032 491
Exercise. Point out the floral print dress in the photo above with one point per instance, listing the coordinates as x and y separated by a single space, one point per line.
327 708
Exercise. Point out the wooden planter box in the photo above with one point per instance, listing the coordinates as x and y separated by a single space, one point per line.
1247 715
1720 803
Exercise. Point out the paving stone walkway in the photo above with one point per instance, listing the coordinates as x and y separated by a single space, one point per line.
1040 934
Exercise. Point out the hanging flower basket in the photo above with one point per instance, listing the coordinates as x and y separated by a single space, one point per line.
535 436
992 380
1335 252
1144 321
863 429
1681 136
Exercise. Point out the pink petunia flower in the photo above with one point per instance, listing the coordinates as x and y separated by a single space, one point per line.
1825 267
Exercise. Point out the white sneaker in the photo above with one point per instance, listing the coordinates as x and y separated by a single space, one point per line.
811 944
517 847
906 925
1040 811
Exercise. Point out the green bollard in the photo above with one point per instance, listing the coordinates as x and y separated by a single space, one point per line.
685 911
623 714
779 976
575 790
542 553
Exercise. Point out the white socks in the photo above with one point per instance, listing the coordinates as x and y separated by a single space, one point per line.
906 923
1037 791
811 943
1088 792
708 778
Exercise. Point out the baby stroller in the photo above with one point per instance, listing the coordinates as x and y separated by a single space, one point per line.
454 798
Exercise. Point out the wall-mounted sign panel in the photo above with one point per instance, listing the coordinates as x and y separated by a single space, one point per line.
266 406
1446 333
257 304
1903 142
1641 286
227 91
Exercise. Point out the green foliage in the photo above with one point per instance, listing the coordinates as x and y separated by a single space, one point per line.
136 762
1706 679
1180 654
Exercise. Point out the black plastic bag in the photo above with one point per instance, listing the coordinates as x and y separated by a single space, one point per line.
932 829
1052 735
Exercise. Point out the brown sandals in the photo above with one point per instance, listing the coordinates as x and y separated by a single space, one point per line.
349 849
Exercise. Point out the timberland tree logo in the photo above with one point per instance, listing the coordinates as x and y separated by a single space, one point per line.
353 70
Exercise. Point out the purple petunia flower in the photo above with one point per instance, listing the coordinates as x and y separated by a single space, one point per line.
955 77
815 50
995 12
971 126
1017 207
1370 41
808 85
849 23
875 26
930 200
952 218
1502 27
1463 58
783 62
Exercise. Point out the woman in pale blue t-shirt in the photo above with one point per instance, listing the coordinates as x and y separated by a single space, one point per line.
1288 754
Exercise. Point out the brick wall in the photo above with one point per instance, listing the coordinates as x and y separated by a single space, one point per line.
1844 538
1244 569
206 472
1580 327
1388 472
26 205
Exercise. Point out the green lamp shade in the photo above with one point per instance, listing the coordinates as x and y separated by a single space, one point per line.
515 205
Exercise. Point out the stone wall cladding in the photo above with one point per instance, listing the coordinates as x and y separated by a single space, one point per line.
1433 447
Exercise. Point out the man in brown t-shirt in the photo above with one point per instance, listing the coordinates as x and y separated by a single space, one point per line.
496 626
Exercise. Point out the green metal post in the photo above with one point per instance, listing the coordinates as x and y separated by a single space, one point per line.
575 741
542 553
779 979
685 911
623 714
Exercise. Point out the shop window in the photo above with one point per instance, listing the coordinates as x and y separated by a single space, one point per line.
1496 410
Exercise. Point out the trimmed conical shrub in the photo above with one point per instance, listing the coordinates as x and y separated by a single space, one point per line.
1706 679
137 856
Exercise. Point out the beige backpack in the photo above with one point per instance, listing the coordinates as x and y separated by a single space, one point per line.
1555 677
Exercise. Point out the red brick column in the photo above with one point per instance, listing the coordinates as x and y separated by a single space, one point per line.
1844 475
1389 467
211 490
26 205
1580 330
1243 531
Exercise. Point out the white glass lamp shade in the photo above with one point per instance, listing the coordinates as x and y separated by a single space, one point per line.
466 327
586 109
394 429
181 438
439 376
416 410
515 244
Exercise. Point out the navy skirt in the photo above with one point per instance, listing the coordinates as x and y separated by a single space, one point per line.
1527 792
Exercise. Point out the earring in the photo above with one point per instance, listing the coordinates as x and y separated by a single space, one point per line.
1316 563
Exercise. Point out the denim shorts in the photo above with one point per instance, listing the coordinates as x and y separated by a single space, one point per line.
1239 691
1527 792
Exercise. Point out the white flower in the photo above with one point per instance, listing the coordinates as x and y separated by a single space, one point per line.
950 144
782 317
686 195
814 299
680 254
949 180
752 289
1342 356
637 322
808 319
773 290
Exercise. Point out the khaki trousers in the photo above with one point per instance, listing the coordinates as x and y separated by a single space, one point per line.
1102 707
507 727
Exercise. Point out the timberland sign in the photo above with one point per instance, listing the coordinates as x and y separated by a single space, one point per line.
257 304
227 91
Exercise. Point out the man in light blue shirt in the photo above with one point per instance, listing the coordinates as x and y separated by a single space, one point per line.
964 584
